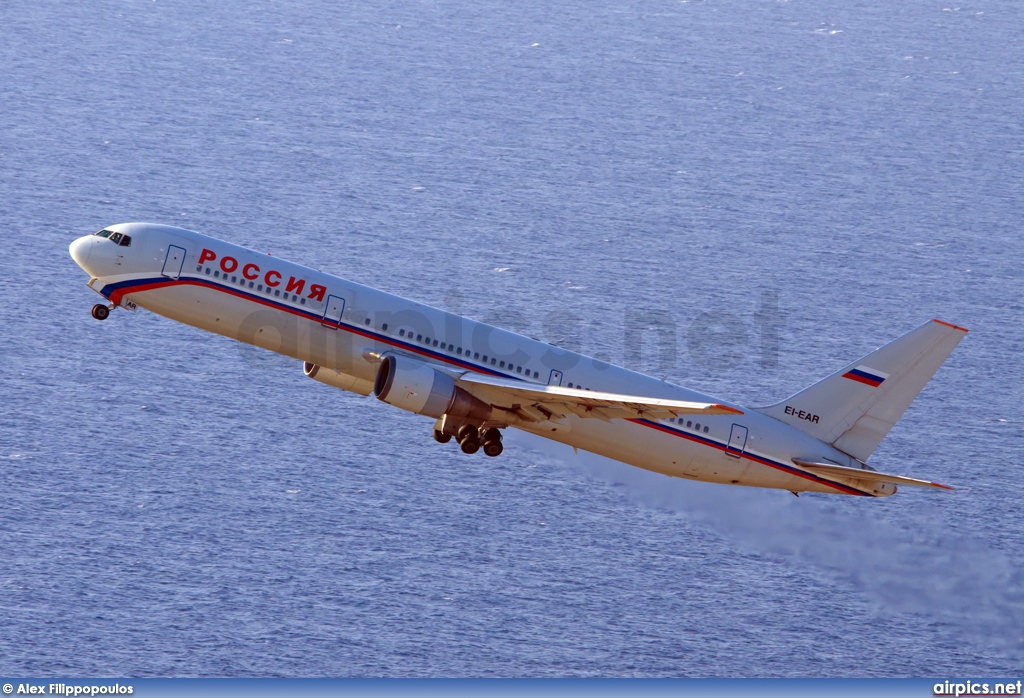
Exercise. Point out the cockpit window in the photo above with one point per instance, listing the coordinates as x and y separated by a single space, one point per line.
115 238
104 233
126 241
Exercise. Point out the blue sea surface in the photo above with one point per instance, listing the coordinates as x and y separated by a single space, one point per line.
646 182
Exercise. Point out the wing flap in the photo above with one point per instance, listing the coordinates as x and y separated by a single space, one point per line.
533 401
865 475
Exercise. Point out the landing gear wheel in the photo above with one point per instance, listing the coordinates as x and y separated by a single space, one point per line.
100 311
467 431
493 448
470 446
441 438
492 434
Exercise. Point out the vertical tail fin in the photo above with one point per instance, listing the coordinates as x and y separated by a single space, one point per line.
854 408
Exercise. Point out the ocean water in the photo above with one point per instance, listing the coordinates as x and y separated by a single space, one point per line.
647 182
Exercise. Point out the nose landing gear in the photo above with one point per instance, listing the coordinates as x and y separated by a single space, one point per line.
101 312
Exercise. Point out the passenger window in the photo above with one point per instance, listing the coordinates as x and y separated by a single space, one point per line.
706 430
250 284
115 238
689 423
536 375
302 301
401 333
476 355
503 364
519 369
697 426
126 241
207 271
419 338
459 351
384 327
485 358
258 288
277 292
435 342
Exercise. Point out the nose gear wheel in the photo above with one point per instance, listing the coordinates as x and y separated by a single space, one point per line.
100 311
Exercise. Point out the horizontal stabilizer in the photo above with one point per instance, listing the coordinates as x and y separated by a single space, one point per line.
864 474
541 402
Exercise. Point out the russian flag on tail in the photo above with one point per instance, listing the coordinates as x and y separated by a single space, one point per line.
867 376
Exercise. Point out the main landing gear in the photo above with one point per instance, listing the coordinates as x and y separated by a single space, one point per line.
471 438
493 448
101 312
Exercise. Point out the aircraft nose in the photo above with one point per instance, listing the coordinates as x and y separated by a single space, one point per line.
80 250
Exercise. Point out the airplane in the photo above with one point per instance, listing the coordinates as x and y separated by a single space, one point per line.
476 380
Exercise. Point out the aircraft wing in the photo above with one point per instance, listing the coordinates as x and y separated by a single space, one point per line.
539 403
865 475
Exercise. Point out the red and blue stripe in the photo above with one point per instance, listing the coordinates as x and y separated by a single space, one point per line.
117 290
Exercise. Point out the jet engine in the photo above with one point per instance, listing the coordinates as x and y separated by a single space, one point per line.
417 387
337 379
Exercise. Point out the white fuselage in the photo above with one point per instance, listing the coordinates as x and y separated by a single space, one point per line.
344 326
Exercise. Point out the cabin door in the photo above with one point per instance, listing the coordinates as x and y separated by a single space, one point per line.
172 264
333 311
737 441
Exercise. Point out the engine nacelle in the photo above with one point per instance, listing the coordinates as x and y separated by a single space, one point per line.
337 379
414 386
